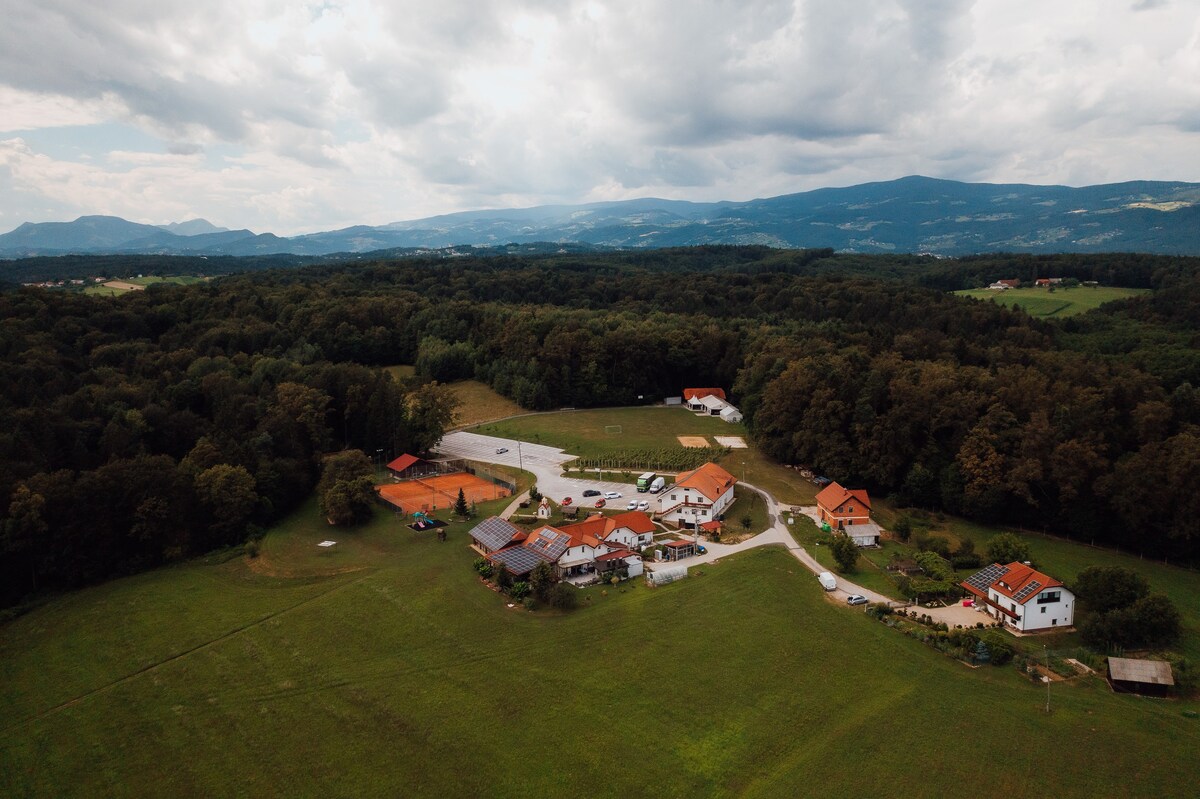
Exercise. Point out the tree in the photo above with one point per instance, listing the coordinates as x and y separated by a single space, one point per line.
504 577
348 502
541 580
460 505
1105 588
228 492
1158 620
903 528
564 596
430 412
1008 548
845 552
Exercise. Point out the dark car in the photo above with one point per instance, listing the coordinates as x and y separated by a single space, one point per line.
591 492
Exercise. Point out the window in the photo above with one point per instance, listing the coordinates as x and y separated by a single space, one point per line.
672 496
1043 610
1047 597
850 509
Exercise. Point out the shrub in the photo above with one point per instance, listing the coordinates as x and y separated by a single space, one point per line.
534 494
252 548
564 596
845 552
964 561
1008 548
903 528
504 577
519 590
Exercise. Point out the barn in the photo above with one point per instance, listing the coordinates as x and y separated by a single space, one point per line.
1145 677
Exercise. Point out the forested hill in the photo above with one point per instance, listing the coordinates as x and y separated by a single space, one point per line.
910 215
150 426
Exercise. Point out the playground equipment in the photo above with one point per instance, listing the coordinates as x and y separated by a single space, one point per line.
421 520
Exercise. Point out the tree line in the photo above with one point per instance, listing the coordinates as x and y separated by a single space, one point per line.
120 409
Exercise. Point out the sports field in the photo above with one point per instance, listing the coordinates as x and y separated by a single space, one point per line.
381 666
440 491
1042 302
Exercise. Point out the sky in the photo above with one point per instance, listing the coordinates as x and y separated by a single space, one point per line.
293 117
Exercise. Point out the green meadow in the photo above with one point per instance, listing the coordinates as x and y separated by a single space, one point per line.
1056 304
382 666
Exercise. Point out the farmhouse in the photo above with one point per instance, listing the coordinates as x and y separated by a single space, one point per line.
1047 281
633 529
1021 597
577 550
1146 677
1003 285
841 507
698 496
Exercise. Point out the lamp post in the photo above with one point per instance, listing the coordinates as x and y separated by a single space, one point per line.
1047 676
379 461
520 460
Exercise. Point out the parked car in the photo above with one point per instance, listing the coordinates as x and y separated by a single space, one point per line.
501 450
632 505
700 550
591 492
856 599
566 501
612 494
600 502
643 505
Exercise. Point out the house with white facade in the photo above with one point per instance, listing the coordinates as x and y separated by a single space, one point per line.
574 551
731 414
694 398
1022 598
698 496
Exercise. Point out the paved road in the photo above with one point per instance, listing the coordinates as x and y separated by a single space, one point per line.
546 463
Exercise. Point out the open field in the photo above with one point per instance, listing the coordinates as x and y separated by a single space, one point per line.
383 666
1057 304
480 403
585 433
115 288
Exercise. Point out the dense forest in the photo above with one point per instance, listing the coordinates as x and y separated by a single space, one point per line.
156 425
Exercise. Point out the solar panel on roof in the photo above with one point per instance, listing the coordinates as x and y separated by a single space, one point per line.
1033 586
984 578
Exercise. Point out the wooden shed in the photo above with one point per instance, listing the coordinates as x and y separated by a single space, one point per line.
1145 677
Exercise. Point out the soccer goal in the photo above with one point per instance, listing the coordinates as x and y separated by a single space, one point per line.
612 429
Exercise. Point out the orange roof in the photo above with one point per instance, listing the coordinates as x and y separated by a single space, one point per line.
1019 576
834 495
403 462
600 526
700 393
710 480
710 526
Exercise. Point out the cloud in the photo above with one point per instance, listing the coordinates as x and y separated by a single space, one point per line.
293 117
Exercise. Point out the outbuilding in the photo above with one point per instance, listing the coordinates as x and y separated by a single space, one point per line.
1145 677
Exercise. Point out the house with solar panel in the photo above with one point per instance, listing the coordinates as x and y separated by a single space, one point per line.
578 552
1022 598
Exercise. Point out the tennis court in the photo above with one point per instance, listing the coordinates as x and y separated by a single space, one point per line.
439 491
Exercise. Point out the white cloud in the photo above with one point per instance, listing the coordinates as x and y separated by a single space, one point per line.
295 117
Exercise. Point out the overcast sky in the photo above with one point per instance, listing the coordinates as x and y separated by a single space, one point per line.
293 117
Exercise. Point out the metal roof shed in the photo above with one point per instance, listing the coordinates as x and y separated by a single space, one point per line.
1146 677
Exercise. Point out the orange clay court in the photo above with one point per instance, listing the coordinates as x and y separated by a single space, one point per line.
439 491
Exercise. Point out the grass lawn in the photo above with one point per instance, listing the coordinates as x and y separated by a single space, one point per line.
384 667
480 403
1061 302
746 503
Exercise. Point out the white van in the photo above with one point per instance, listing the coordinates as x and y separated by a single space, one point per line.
658 485
827 581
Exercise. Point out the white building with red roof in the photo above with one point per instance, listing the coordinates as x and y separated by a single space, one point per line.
1022 597
698 496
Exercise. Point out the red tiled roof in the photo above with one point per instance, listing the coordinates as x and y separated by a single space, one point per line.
833 495
681 543
709 527
403 462
1018 576
710 480
698 393
601 526
635 520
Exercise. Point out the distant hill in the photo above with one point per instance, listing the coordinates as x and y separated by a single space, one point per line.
913 214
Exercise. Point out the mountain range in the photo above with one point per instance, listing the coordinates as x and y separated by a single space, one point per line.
909 215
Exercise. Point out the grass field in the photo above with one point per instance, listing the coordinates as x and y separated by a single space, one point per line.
1041 302
481 404
108 291
384 667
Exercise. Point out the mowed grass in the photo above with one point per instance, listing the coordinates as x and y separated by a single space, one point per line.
384 667
480 403
1041 302
587 434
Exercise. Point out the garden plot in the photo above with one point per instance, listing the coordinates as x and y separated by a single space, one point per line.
733 442
694 442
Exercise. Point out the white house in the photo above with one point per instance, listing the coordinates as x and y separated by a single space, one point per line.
731 414
713 405
1022 597
694 397
865 534
697 496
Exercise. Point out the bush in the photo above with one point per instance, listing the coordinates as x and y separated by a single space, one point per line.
933 543
1105 588
252 549
504 578
519 590
534 494
845 552
564 596
965 562
903 528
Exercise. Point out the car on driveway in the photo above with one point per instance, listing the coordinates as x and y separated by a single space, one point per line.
856 599
501 450
600 502
612 494
632 505
591 492
643 505
566 501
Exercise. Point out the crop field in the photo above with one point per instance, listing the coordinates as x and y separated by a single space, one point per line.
382 666
1041 302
